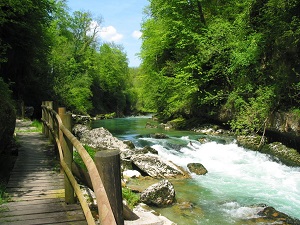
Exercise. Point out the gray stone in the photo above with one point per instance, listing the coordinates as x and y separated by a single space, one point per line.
81 119
98 138
145 150
156 167
159 136
197 168
160 194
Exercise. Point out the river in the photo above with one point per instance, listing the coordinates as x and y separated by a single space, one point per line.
238 179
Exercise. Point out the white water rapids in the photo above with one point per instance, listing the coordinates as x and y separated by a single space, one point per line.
240 178
237 183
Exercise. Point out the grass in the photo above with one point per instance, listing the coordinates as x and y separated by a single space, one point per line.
34 126
131 197
79 160
3 195
37 125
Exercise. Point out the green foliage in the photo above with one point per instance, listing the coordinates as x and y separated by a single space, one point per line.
204 57
296 112
24 48
253 114
77 158
89 77
2 193
38 125
131 198
7 115
111 82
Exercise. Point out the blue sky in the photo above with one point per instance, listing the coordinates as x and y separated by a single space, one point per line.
121 22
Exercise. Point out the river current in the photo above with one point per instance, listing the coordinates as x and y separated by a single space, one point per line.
237 183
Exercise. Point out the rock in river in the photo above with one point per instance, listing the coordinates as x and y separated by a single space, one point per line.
156 167
197 168
160 194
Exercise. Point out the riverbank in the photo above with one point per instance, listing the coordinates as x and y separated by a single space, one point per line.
232 171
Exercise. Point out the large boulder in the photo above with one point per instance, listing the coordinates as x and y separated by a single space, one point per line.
156 167
253 142
128 153
285 122
288 156
275 217
98 138
79 130
81 119
160 194
145 150
197 168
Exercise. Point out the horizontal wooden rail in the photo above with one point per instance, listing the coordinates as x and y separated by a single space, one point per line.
53 125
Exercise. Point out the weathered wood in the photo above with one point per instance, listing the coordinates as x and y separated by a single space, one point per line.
50 120
105 212
43 118
84 177
109 167
67 147
61 112
106 216
49 217
46 133
37 197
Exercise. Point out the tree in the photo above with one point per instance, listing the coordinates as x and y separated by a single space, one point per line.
111 82
224 59
24 48
73 57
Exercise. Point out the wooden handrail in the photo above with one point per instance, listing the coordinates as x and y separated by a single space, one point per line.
106 216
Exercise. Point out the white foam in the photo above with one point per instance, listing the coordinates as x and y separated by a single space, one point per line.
244 174
241 212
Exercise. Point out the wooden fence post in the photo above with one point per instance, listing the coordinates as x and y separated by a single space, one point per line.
47 119
43 118
68 157
108 165
22 109
50 121
61 113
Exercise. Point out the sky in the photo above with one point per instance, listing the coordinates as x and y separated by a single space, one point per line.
121 22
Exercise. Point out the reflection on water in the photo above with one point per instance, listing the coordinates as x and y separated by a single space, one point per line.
237 182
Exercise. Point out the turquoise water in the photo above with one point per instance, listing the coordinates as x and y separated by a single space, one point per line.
237 180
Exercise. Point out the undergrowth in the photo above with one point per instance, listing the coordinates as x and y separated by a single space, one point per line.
131 197
38 126
79 160
2 192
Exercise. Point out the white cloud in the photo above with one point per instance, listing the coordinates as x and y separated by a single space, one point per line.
105 33
136 34
110 34
94 26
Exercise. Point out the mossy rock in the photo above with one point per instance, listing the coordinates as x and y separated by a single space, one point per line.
249 141
288 156
197 168
178 123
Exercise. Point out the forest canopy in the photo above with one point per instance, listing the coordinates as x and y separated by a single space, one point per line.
234 61
48 53
224 60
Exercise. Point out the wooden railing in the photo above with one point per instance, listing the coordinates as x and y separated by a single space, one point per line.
57 127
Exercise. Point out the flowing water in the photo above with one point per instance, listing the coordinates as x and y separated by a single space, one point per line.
237 182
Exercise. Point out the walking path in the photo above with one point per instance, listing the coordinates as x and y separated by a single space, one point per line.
36 188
